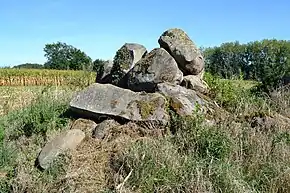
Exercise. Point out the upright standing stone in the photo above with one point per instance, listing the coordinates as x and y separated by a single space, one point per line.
125 59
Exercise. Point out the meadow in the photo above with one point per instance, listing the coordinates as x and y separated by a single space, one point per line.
246 150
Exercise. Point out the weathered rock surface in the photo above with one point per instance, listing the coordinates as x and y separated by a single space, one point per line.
184 51
137 52
103 75
182 100
86 125
128 55
104 127
65 141
195 83
110 100
201 74
156 67
125 59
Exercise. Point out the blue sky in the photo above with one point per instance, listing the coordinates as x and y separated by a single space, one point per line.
99 27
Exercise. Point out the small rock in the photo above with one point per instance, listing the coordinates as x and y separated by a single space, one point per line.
68 140
103 128
86 125
183 50
156 67
195 83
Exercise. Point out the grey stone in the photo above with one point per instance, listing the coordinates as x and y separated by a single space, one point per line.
125 59
106 99
104 75
68 140
156 67
137 52
195 83
86 125
184 51
183 101
104 127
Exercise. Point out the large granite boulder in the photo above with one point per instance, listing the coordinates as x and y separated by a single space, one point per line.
184 51
113 101
156 67
68 140
183 101
125 59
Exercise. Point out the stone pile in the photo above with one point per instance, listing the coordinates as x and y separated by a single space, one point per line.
143 85
138 86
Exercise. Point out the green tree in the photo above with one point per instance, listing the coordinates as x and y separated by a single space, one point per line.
226 60
273 63
65 57
99 68
266 61
98 65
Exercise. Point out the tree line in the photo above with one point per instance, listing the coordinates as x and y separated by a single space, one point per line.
62 56
267 61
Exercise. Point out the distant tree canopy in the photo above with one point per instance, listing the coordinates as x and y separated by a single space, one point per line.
4 67
98 65
30 66
267 61
65 57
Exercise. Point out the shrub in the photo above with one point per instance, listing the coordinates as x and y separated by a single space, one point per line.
223 91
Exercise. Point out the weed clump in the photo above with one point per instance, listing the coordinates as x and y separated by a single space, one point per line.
228 156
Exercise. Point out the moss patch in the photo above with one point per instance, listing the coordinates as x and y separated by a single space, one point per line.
122 61
178 34
123 58
147 108
146 62
176 105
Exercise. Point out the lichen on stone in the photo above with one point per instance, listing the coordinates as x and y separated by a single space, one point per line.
114 103
178 34
147 108
123 58
176 105
122 61
146 62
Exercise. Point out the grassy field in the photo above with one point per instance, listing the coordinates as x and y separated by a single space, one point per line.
236 154
41 77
